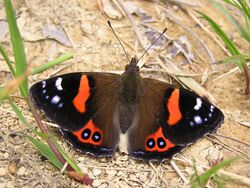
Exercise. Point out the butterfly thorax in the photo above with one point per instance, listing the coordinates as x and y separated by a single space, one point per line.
130 83
129 95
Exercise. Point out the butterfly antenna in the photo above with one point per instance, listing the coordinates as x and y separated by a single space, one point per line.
162 33
109 23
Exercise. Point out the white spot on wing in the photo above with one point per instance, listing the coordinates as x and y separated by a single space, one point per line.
198 120
198 104
43 84
211 108
55 99
59 83
60 105
191 123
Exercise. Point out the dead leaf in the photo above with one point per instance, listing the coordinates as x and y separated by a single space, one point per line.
151 35
133 9
181 46
3 30
245 123
110 10
52 32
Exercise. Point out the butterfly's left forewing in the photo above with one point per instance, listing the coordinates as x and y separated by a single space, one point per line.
83 105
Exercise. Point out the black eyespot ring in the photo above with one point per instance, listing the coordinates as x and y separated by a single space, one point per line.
161 143
86 134
150 143
96 137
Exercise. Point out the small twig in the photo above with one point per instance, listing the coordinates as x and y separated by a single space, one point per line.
230 138
235 177
247 77
232 71
160 176
64 167
184 2
230 148
129 169
244 123
178 171
140 39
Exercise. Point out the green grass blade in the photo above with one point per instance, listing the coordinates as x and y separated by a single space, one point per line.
71 162
228 42
220 181
206 175
40 134
236 58
245 8
46 152
243 32
232 3
202 180
7 60
19 113
24 120
4 93
51 63
17 45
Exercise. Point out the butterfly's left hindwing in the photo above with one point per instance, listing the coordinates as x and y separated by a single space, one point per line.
83 105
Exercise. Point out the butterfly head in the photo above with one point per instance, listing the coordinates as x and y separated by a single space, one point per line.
132 67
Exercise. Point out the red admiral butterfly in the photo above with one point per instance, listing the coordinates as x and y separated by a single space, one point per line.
100 112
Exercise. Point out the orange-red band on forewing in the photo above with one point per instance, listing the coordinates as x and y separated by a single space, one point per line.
91 126
173 108
82 95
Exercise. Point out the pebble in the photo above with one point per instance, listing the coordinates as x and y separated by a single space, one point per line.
96 172
111 172
237 89
2 171
175 7
9 184
143 177
97 183
21 171
104 185
133 177
112 185
12 168
6 155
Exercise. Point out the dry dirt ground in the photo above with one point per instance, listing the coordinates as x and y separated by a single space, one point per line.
79 27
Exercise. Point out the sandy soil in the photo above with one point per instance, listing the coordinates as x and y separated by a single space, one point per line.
84 32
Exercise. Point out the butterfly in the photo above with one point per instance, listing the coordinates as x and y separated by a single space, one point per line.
146 118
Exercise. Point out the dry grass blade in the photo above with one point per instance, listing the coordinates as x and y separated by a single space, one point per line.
11 85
